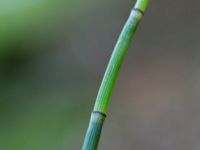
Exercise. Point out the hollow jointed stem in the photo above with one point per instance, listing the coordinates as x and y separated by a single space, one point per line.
99 113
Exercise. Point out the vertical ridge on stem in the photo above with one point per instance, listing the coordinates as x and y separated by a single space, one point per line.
103 97
94 131
116 60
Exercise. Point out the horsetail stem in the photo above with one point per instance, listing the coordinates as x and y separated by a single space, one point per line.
99 113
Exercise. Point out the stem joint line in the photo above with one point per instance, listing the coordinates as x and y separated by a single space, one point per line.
100 113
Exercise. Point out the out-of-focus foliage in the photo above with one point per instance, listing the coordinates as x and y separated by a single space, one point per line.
24 20
32 117
52 57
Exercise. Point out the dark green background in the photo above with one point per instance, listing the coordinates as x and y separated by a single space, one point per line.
52 58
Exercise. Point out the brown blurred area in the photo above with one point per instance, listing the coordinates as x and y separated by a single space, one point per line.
52 59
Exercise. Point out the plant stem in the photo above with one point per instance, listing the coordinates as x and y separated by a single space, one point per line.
99 113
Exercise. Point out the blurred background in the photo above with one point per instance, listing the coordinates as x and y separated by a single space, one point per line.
53 55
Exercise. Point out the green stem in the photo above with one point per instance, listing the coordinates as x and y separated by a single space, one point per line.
110 76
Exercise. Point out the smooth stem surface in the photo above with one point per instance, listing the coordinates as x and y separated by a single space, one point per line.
117 57
110 76
142 4
116 60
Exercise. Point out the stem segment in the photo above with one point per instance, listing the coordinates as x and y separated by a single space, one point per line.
99 113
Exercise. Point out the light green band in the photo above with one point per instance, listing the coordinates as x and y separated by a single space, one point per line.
141 4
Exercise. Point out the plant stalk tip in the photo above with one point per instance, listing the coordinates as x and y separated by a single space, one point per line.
141 4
